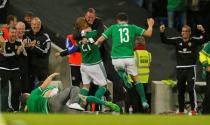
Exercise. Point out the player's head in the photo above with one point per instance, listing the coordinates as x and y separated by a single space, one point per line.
81 24
122 17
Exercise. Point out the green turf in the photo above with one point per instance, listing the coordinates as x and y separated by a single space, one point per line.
90 119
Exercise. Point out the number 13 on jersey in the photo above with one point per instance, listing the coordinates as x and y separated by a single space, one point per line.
124 35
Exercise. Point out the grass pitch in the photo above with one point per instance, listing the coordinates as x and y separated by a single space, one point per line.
93 119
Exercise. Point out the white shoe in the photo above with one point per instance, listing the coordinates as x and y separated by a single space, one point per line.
75 106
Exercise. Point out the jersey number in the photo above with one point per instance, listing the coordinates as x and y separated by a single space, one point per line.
124 35
86 47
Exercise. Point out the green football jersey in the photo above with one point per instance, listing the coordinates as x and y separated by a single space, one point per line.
36 102
90 52
123 39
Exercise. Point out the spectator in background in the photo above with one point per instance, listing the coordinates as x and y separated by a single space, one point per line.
9 69
11 22
28 16
176 13
3 10
74 59
143 60
39 52
186 46
23 59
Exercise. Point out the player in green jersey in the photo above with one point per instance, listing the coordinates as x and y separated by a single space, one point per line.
92 68
47 99
122 53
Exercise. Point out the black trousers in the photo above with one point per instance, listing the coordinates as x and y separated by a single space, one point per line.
37 73
186 75
76 75
14 77
24 73
58 102
206 101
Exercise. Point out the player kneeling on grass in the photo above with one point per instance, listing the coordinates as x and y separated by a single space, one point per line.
47 99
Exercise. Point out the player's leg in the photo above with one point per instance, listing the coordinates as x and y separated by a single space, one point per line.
119 65
85 79
132 70
98 74
93 99
56 103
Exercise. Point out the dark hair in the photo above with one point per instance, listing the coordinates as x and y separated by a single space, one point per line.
91 10
122 16
10 18
28 14
12 28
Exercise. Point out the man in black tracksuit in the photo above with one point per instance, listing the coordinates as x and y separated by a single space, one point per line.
39 52
9 69
186 62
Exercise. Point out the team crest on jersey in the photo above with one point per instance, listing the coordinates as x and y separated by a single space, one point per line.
184 49
38 42
180 44
189 44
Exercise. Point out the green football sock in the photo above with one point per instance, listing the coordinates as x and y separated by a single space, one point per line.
93 99
84 91
96 100
140 90
100 92
124 76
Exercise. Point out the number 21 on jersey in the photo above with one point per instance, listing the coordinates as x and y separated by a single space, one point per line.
124 35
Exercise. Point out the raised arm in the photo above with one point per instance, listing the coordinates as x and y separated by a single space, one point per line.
203 38
148 32
48 80
100 40
172 40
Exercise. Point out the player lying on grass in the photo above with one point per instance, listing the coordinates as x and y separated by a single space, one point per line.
47 99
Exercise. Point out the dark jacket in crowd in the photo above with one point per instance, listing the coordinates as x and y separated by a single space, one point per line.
185 51
39 54
8 60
